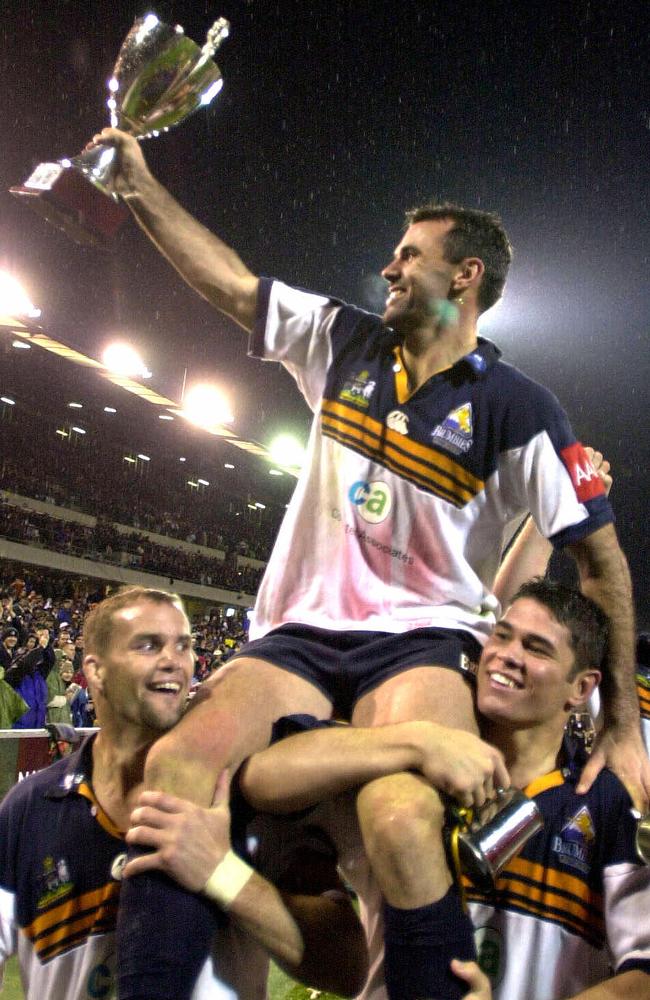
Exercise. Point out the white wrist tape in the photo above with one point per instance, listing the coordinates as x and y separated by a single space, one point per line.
227 880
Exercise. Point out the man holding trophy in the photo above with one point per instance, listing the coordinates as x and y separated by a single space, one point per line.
425 453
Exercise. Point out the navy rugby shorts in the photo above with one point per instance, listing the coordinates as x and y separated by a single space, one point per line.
347 665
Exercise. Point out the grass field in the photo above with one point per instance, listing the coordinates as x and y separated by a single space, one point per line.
280 986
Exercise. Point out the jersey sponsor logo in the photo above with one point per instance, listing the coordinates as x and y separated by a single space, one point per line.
373 501
455 433
358 390
100 982
398 421
55 881
585 479
575 843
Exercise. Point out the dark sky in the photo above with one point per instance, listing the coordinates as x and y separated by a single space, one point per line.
333 119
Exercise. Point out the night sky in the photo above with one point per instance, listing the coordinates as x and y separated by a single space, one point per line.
333 119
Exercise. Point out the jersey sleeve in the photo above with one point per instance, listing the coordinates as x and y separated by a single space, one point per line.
546 470
626 882
294 327
8 932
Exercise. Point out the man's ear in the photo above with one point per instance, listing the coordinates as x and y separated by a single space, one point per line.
92 668
583 685
469 274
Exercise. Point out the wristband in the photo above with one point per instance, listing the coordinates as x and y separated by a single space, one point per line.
227 880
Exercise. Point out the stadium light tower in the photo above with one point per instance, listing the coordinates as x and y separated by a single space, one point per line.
206 406
287 451
14 300
122 359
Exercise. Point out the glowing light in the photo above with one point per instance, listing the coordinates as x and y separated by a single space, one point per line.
148 24
165 416
287 451
192 483
227 465
131 461
203 482
260 506
65 162
7 400
182 459
76 406
113 85
275 472
110 409
78 430
145 458
122 359
14 299
206 406
63 434
21 345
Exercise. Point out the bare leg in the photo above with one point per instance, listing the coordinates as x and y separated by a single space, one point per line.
231 720
401 818
163 933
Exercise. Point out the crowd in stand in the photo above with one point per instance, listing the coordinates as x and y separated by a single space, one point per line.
46 467
105 544
41 648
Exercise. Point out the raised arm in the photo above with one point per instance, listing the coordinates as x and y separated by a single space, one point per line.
201 258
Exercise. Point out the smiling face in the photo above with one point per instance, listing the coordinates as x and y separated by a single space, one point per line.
525 672
418 276
143 676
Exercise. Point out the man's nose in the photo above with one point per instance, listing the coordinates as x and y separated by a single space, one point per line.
390 271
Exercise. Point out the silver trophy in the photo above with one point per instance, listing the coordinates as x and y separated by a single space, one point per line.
485 840
160 78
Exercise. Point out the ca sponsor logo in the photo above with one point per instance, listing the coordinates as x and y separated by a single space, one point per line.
373 501
398 421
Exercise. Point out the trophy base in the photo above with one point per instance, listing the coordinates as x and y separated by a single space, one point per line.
69 200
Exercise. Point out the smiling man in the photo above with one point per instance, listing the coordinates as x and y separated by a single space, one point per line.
426 452
62 847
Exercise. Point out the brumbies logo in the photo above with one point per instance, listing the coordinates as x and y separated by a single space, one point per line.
55 880
455 433
575 843
358 390
398 421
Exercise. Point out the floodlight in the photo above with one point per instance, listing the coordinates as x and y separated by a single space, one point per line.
122 359
14 300
287 451
206 406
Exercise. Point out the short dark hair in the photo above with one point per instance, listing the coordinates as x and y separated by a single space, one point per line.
473 234
586 621
99 622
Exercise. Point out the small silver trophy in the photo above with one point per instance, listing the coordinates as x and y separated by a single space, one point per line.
160 78
485 841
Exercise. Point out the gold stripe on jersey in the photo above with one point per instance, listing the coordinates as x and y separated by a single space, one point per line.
549 894
402 391
65 925
644 700
418 463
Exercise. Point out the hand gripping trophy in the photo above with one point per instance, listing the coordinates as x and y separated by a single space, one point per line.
160 78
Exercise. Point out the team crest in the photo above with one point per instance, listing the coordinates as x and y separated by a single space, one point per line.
398 421
455 433
575 843
55 881
358 390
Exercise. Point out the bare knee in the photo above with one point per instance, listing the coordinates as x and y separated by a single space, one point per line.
399 810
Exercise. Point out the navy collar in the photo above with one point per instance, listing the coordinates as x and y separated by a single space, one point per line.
78 769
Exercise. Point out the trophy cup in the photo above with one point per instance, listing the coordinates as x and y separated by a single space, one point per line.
160 78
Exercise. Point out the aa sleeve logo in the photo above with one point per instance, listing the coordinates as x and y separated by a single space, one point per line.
586 481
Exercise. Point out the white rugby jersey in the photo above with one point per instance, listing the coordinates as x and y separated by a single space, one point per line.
60 871
406 501
572 909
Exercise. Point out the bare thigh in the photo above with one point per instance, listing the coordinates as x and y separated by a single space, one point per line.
230 720
433 694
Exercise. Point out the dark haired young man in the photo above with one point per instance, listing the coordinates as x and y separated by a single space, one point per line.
426 451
